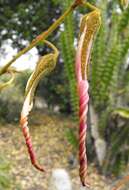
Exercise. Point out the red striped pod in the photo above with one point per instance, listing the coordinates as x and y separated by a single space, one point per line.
89 26
44 66
25 129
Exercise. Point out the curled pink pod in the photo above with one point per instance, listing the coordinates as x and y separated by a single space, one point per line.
83 109
89 26
25 129
45 65
83 104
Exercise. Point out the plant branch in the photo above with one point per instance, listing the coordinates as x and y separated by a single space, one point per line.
78 3
43 35
90 6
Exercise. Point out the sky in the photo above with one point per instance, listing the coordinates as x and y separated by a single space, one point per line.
26 61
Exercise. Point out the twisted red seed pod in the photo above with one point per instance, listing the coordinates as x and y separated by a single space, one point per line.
83 109
25 129
84 98
89 26
44 66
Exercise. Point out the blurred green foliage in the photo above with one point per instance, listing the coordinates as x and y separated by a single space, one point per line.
28 13
71 137
5 177
11 98
67 38
55 91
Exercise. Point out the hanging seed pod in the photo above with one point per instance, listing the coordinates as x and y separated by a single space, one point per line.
89 26
44 66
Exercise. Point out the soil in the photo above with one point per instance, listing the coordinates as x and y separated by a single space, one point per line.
53 150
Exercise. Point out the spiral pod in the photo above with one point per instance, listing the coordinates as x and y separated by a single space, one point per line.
89 26
44 66
83 109
83 104
25 129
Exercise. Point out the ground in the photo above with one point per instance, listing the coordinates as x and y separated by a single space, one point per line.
53 151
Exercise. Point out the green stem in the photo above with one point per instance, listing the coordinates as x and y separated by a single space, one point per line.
90 6
42 36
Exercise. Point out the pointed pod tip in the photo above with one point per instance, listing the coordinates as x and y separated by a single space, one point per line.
38 167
